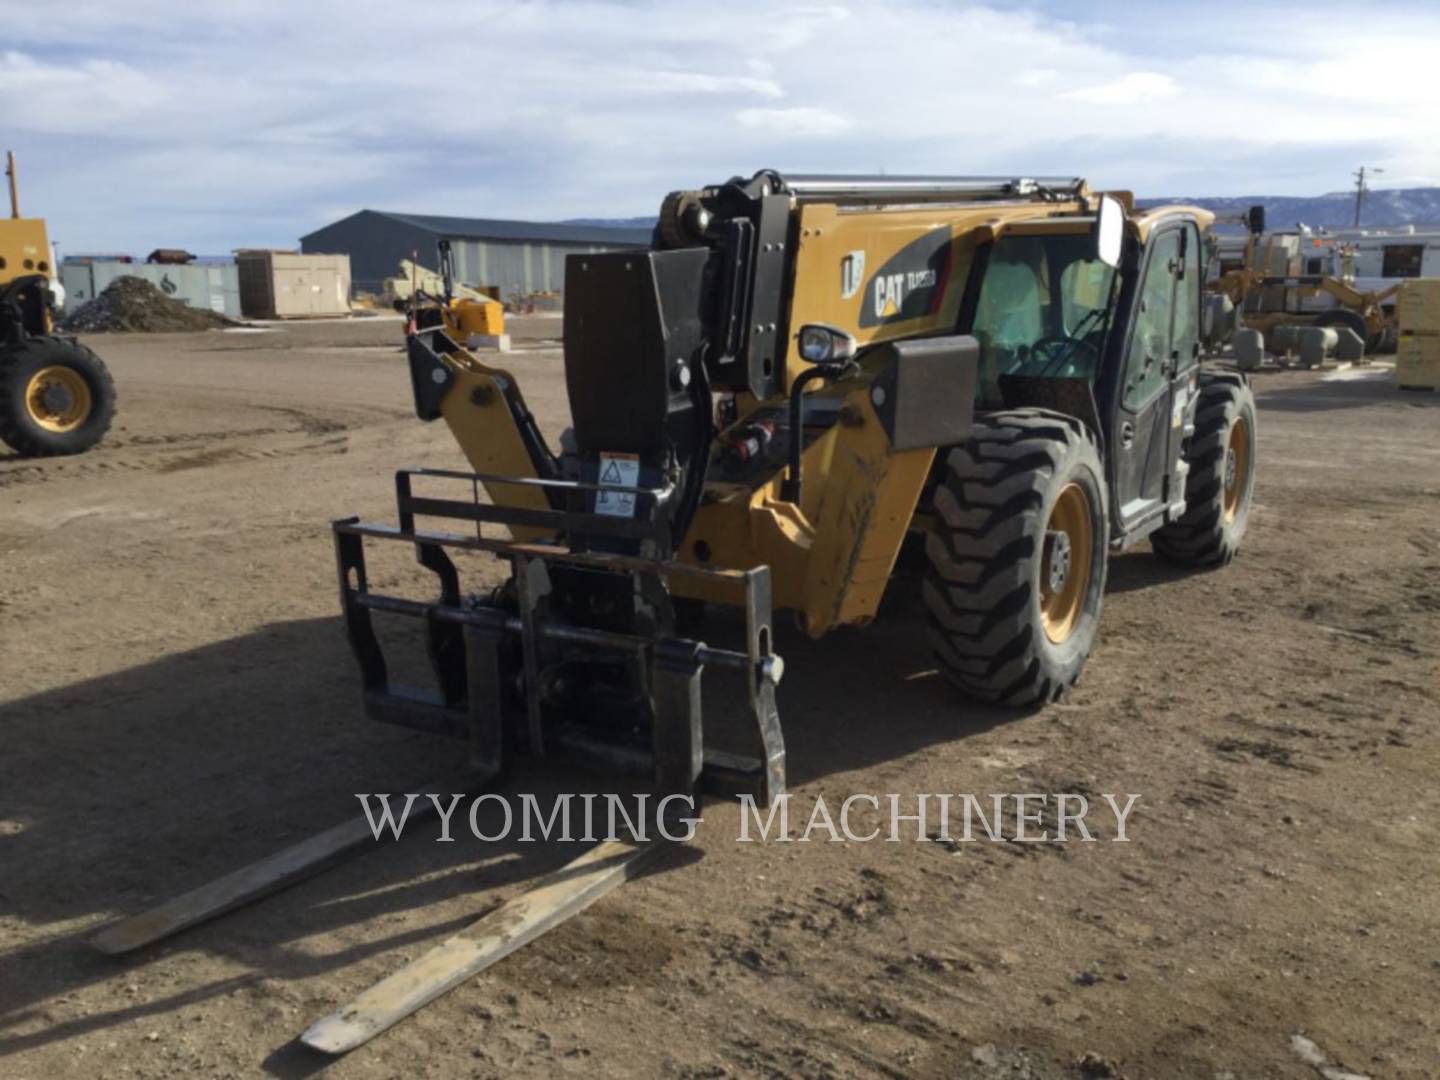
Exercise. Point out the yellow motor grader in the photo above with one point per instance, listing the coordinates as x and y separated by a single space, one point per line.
56 396
799 373
1265 300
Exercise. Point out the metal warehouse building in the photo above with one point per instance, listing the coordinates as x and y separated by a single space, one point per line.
518 256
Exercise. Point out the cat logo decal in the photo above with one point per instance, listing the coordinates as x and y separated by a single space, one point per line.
852 273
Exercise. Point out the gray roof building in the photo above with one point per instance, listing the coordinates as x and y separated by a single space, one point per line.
520 257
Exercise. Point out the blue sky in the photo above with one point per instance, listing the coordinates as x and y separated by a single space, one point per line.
247 123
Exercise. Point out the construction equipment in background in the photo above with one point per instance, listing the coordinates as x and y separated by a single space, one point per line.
1417 356
410 277
56 396
473 318
170 257
798 375
1276 285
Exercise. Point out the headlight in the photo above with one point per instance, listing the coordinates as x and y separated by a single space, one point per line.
822 344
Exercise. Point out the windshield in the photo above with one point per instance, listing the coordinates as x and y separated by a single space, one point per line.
1043 309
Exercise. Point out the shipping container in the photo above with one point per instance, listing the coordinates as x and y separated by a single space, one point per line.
288 285
209 286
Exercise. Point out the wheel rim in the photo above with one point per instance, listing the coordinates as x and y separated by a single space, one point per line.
1237 467
58 398
1065 568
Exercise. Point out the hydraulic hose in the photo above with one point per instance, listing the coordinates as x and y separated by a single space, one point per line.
791 489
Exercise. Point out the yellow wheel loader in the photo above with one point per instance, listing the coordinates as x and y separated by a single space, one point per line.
799 373
56 396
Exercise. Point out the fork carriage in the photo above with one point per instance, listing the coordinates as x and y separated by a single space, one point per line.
544 668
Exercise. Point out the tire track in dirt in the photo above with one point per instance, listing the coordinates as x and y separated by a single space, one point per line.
156 453
223 455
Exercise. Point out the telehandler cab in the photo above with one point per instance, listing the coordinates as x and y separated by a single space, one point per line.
797 374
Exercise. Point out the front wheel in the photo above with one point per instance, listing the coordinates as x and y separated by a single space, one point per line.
1221 482
1018 556
56 397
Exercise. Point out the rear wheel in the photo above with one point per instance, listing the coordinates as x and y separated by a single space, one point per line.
1017 557
1221 481
56 397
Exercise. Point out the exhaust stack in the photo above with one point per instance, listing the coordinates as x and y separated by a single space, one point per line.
14 191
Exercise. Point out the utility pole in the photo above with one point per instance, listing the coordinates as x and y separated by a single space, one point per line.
1361 190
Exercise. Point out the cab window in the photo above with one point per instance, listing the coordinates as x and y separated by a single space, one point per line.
1186 336
1145 367
1043 308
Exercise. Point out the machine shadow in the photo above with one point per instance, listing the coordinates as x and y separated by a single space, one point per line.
1373 388
1143 569
124 790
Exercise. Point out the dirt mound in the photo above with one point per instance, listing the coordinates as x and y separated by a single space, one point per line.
134 304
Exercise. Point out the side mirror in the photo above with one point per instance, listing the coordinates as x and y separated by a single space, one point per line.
1109 231
1255 219
821 343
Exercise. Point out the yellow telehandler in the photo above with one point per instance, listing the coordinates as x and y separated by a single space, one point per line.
56 395
796 375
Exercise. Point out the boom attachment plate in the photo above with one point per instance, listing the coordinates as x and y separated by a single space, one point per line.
499 662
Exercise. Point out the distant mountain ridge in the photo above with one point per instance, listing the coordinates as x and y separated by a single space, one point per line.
1384 208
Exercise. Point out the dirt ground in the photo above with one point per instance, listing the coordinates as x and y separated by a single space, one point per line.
176 698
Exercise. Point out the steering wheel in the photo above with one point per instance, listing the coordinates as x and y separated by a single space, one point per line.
1053 349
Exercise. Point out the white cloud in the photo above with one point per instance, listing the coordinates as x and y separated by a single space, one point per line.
220 125
1035 77
1137 88
802 121
74 98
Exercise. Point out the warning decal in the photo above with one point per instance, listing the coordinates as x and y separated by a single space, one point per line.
620 471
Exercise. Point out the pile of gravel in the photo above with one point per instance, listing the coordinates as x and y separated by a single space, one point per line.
134 304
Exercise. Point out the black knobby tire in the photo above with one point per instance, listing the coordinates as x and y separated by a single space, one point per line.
22 429
1218 490
995 511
